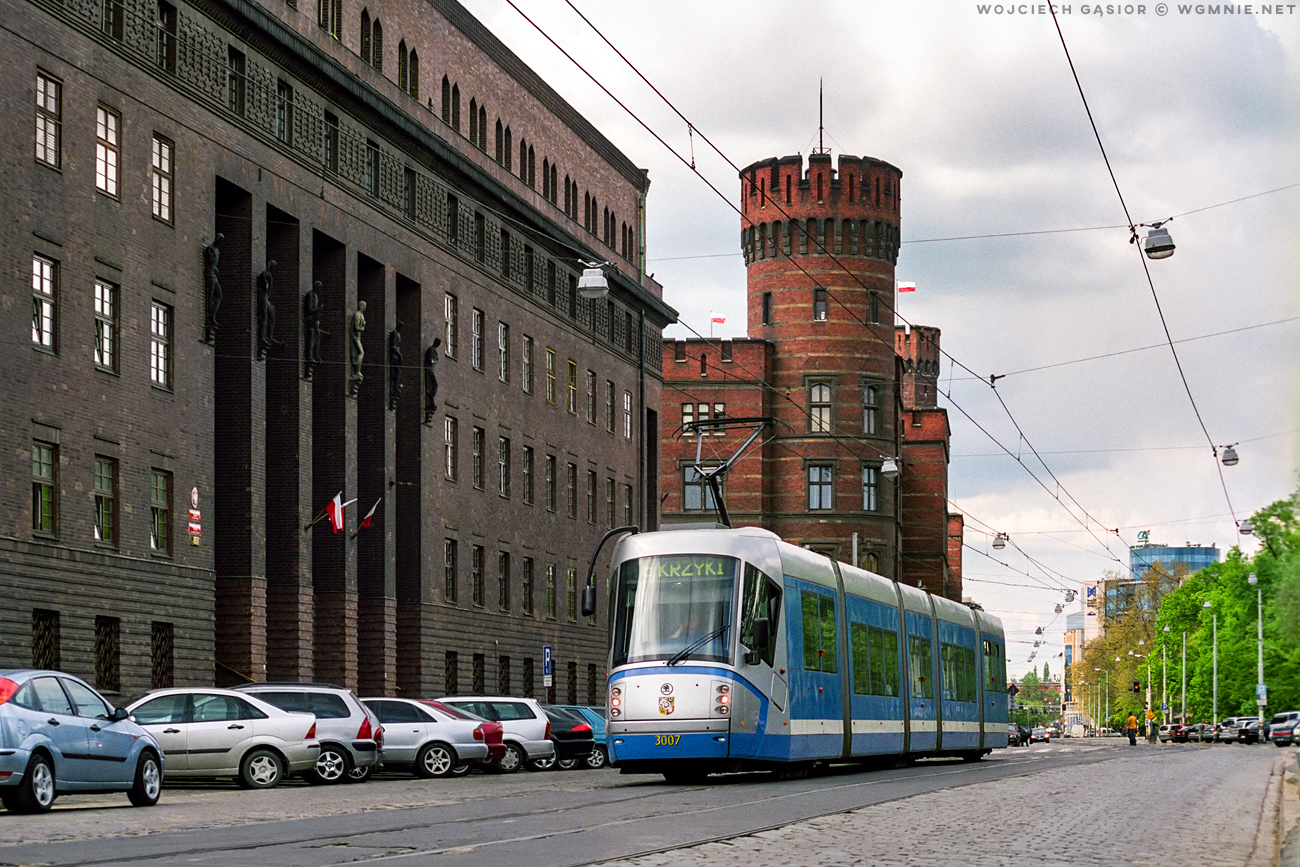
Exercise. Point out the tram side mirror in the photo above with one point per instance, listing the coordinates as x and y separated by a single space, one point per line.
762 639
588 600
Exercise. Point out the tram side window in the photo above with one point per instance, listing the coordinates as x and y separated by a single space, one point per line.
819 647
922 686
993 666
875 660
858 635
761 598
970 682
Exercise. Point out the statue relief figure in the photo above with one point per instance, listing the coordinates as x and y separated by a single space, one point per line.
212 285
431 379
311 305
394 365
358 351
265 311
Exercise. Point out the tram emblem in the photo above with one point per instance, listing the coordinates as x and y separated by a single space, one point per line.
666 705
666 689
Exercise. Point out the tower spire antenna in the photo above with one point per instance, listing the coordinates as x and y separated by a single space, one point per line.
821 125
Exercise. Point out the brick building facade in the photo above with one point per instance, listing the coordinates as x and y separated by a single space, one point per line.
848 391
182 409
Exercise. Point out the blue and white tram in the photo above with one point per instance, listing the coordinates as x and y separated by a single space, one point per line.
733 650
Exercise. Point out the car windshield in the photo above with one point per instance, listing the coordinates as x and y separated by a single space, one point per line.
675 606
453 712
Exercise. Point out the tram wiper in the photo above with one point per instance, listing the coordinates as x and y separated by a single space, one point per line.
696 645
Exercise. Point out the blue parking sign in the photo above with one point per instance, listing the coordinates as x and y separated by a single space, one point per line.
546 665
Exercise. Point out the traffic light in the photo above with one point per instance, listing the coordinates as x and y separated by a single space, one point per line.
1136 688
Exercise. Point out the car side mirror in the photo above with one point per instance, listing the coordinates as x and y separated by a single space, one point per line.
119 714
762 640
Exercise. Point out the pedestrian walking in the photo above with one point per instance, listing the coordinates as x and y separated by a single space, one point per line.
1132 730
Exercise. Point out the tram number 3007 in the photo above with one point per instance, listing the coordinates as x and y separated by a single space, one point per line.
667 740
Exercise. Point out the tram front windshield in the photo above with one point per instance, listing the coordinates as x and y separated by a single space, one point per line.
674 607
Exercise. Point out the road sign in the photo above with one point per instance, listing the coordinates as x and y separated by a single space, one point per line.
547 679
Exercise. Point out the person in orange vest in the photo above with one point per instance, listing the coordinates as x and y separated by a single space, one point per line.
1132 730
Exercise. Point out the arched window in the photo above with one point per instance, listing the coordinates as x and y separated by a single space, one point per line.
507 149
403 72
377 46
482 129
365 36
870 409
546 178
446 98
455 107
568 197
473 120
555 182
532 169
500 140
523 160
819 408
413 87
586 211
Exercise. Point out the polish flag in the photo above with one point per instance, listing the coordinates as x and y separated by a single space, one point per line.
906 287
334 510
365 522
718 319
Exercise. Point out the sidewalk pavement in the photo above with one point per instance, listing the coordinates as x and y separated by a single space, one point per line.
1213 806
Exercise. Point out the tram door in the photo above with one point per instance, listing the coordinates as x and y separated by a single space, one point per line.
922 705
816 701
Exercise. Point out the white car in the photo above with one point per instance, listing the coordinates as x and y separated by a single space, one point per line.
220 733
430 742
526 729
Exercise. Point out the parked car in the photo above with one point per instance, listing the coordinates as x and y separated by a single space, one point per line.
526 728
1282 728
1223 732
351 737
1181 733
58 737
1166 732
1252 732
573 739
427 739
1013 735
596 716
1040 733
492 736
221 733
1236 732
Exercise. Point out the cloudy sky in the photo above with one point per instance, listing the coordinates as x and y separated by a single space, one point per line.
1200 117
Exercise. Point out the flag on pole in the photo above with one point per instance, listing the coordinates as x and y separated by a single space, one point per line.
334 510
365 522
906 287
718 319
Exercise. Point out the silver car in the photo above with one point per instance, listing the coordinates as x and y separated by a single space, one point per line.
59 736
426 740
351 737
526 729
221 733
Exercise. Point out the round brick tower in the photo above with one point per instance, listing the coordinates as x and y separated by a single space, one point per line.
820 245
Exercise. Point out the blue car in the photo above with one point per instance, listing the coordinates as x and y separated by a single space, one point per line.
58 736
596 716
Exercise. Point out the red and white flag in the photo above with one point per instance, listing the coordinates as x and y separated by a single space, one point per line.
365 522
718 319
906 287
334 510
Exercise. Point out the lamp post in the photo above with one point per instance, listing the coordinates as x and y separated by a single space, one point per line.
1261 691
1164 680
1106 674
1214 615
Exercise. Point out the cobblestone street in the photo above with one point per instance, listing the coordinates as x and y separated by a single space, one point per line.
1197 807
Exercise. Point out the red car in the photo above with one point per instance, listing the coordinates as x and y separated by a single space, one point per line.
488 731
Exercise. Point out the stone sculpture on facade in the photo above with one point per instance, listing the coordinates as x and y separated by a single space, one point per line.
394 365
311 305
265 311
212 286
358 351
431 380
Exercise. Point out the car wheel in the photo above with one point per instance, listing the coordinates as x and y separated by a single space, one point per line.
512 761
331 766
546 764
358 775
260 769
461 770
435 760
147 787
35 794
567 764
597 759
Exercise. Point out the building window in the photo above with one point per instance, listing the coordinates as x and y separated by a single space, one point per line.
550 376
161 171
873 307
108 638
453 220
166 48
627 415
477 457
870 489
111 18
45 491
49 121
571 603
528 585
627 505
476 573
330 149
449 432
528 475
591 397
330 16
572 387
503 580
819 408
45 639
480 238
696 494
106 325
550 590
413 74
503 466
871 409
160 345
821 486
107 153
451 672
821 306
591 496
450 564
160 511
372 168
609 405
550 483
571 487
528 364
104 485
503 352
45 300
235 80
679 351
609 502
476 339
505 255
451 311
162 655
284 112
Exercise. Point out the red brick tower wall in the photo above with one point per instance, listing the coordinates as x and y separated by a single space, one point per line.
919 350
833 226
